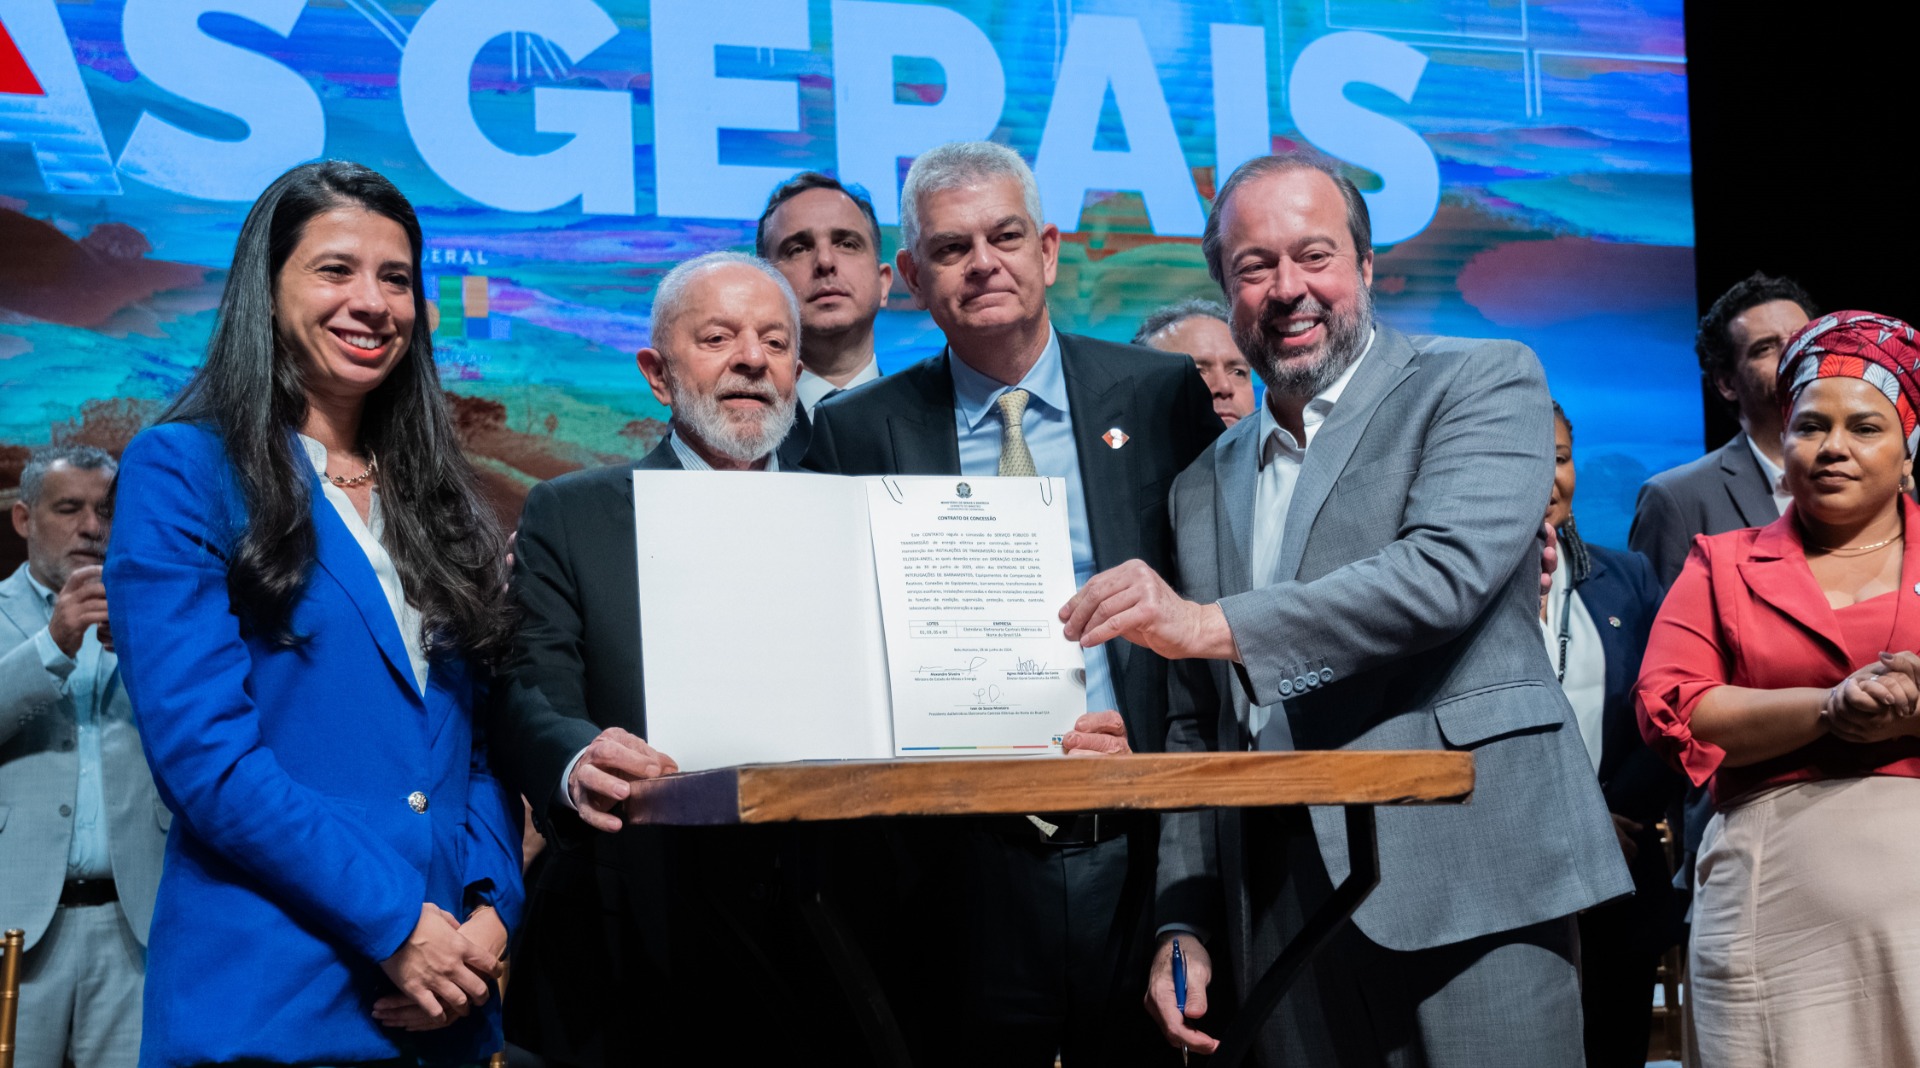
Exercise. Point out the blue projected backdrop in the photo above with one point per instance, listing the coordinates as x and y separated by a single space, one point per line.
1526 163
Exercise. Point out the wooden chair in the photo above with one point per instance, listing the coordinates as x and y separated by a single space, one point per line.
10 993
1672 1024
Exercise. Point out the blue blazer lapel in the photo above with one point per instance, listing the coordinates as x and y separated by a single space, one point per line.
1386 366
339 555
1601 595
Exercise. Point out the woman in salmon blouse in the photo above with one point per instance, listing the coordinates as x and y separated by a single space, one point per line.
1781 673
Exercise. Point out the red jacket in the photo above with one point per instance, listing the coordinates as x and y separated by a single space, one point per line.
1746 611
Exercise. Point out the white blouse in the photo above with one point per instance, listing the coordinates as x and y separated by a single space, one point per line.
367 535
1586 679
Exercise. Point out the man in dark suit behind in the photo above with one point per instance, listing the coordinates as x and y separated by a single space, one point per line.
649 942
1737 484
1044 934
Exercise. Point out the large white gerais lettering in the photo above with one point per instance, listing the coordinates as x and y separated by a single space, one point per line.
1105 52
1409 174
1241 128
285 124
872 128
435 78
692 104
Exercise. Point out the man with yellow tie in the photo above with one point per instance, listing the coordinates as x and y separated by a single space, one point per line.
1035 923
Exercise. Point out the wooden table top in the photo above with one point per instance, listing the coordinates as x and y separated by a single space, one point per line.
858 789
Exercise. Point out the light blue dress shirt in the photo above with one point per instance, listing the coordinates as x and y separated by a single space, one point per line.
693 461
1048 425
85 680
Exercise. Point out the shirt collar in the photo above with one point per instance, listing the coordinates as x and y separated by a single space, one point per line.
1317 410
812 389
316 454
693 461
45 593
1767 467
974 394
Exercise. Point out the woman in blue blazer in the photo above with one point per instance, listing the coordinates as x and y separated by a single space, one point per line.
307 591
1596 620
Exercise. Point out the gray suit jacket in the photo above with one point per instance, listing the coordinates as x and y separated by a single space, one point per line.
1409 620
1724 490
40 772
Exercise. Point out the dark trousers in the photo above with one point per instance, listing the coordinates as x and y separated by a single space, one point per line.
1510 998
1617 972
685 945
1031 950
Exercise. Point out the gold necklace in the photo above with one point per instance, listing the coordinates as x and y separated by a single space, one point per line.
373 464
1857 550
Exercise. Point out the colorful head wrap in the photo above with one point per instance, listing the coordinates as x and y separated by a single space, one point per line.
1877 349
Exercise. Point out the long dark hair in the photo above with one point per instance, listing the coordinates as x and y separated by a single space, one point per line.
443 538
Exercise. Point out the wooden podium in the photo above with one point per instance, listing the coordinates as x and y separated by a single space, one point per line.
887 789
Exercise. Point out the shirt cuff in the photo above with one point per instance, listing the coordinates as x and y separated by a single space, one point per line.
57 663
566 796
1181 929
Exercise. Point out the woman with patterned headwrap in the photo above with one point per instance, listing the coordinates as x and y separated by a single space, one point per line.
1781 673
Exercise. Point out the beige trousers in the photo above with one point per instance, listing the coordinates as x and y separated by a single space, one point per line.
1806 928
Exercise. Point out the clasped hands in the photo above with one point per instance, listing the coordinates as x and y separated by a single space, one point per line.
442 969
1876 703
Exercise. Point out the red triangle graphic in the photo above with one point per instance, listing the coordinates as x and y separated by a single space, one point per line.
15 76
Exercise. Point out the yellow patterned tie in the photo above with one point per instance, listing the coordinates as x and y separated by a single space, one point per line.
1015 460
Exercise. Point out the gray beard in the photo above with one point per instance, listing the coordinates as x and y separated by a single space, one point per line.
1306 377
741 438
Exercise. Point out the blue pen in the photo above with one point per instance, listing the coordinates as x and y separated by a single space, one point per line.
1179 978
1180 987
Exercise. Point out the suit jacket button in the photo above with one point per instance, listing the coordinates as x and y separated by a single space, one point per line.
1300 682
417 801
1326 674
66 810
1286 687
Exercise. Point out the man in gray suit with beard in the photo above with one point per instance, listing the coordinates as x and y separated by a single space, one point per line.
1356 566
82 830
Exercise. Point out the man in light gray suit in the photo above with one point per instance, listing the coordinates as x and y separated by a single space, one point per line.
82 830
1738 484
1358 568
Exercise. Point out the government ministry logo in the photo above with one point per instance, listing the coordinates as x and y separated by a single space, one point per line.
963 490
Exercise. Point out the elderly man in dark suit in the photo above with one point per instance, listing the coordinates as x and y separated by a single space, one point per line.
1738 484
648 942
82 829
1357 568
1043 929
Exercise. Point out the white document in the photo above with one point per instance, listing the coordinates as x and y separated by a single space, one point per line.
759 618
972 574
763 634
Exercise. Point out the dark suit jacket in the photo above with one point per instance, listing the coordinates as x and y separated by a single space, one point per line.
652 938
1622 594
1721 491
575 670
903 425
